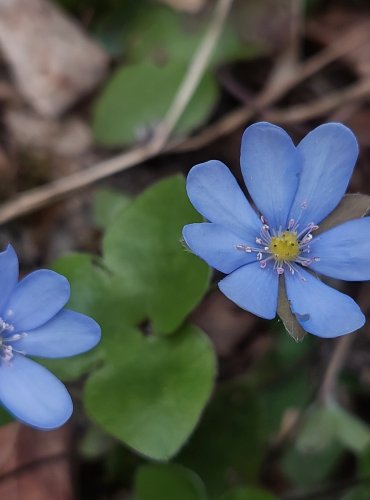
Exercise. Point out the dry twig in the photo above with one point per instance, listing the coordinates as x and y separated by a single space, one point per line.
322 106
195 72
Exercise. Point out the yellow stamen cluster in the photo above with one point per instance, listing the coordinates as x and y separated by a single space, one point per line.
284 247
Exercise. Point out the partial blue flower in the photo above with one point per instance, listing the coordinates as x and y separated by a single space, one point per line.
293 188
33 322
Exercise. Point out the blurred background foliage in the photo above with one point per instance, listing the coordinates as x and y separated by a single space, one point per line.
187 397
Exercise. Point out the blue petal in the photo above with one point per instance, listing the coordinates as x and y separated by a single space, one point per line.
214 192
217 246
36 299
320 309
9 269
270 166
329 154
344 251
34 395
67 334
253 289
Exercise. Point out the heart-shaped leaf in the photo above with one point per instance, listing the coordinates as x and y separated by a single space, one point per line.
152 390
143 246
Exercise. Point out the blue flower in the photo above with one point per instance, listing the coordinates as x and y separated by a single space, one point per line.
294 189
33 322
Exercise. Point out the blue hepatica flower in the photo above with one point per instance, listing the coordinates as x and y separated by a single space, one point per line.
33 322
294 189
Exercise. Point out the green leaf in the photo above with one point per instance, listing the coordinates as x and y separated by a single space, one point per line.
168 482
98 292
148 391
317 431
86 276
151 392
308 468
108 204
69 369
350 431
329 422
163 35
328 430
159 34
248 494
137 98
143 246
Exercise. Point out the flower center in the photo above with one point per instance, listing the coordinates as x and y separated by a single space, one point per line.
285 247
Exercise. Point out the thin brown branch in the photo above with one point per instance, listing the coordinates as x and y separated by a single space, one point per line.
42 196
195 72
322 106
